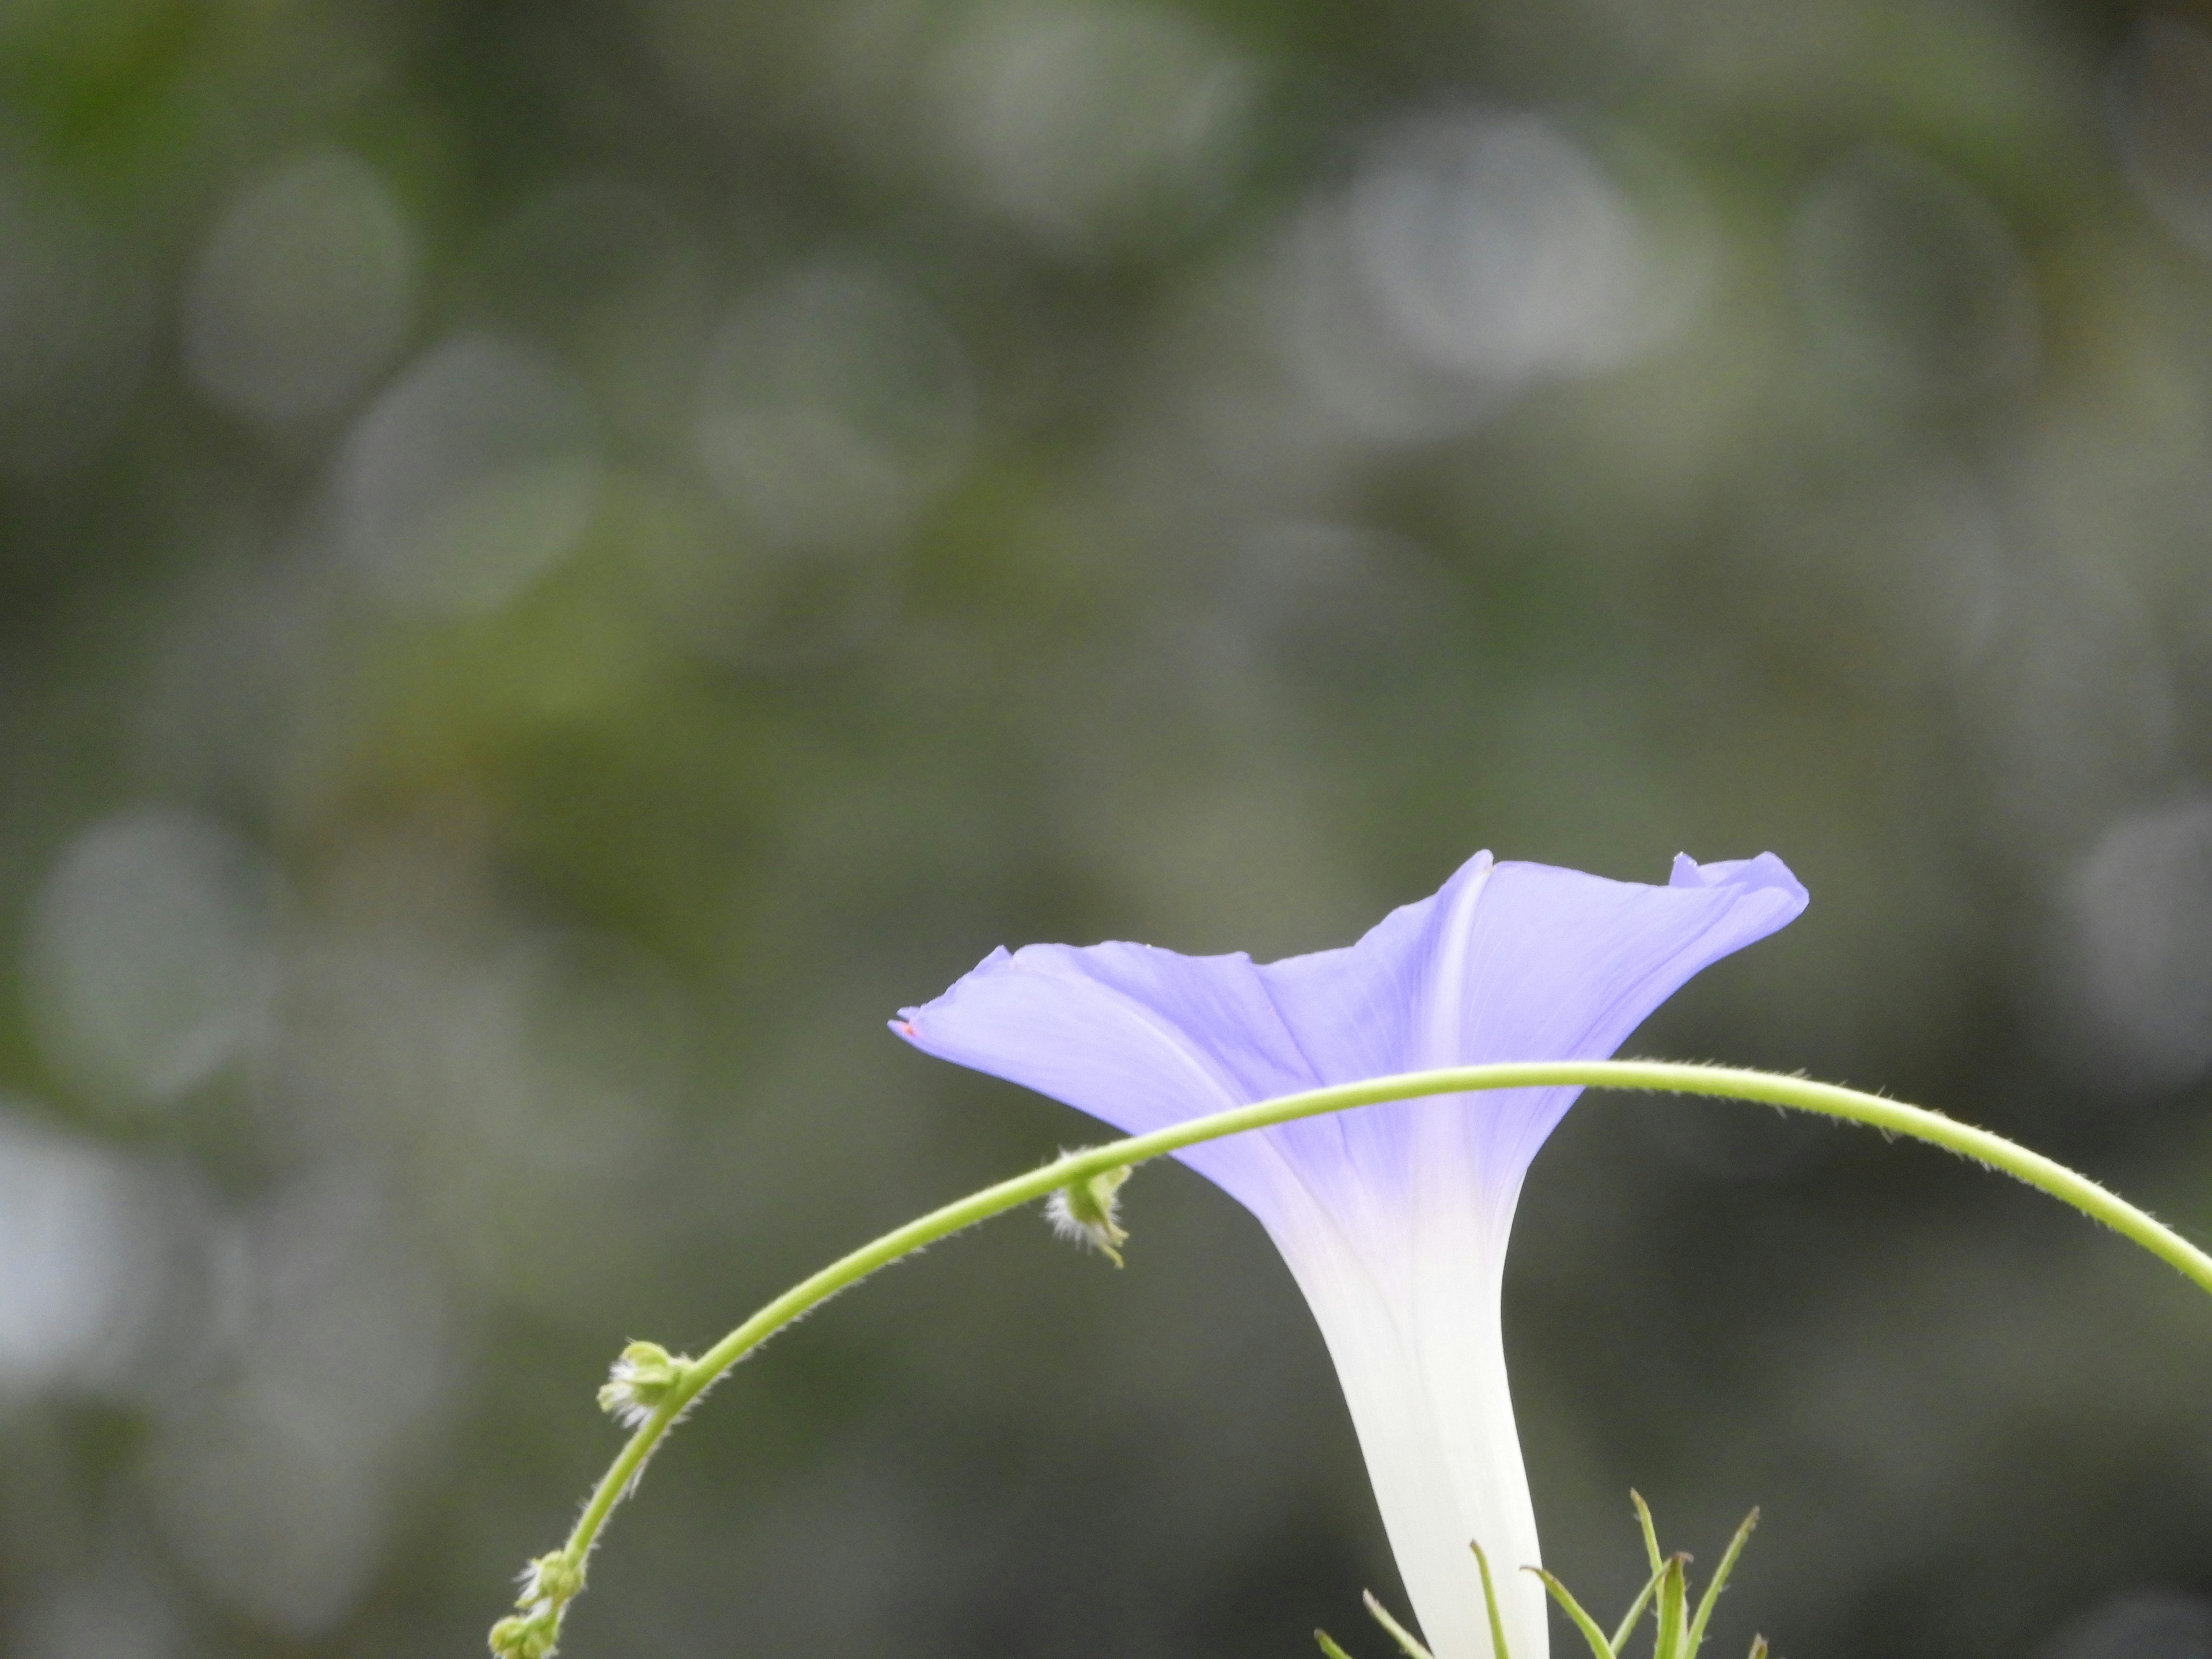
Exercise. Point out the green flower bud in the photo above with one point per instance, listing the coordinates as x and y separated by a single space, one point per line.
526 1637
551 1578
639 1381
1087 1212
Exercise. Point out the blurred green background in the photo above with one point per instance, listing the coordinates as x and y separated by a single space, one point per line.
558 562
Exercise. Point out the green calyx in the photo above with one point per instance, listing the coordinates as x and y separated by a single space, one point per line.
644 1375
1666 1593
554 1578
1088 1211
526 1636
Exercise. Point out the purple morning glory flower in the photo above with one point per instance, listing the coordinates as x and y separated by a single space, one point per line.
1393 1217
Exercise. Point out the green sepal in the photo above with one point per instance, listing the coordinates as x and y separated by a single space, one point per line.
1674 1641
1758 1647
1399 1633
1599 1649
1490 1600
1329 1647
1650 1533
1720 1579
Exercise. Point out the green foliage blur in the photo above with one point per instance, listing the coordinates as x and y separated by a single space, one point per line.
560 562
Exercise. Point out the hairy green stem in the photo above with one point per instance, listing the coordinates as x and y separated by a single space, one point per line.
1795 1093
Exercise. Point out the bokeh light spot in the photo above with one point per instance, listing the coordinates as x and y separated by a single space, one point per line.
150 955
1087 124
2140 914
1499 250
832 406
72 1251
302 291
469 479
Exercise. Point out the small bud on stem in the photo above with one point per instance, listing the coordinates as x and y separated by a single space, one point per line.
639 1381
553 1579
1086 1212
526 1637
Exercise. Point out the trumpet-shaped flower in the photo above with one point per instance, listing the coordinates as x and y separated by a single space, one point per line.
1393 1217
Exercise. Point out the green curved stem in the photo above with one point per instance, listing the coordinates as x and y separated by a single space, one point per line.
1795 1093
